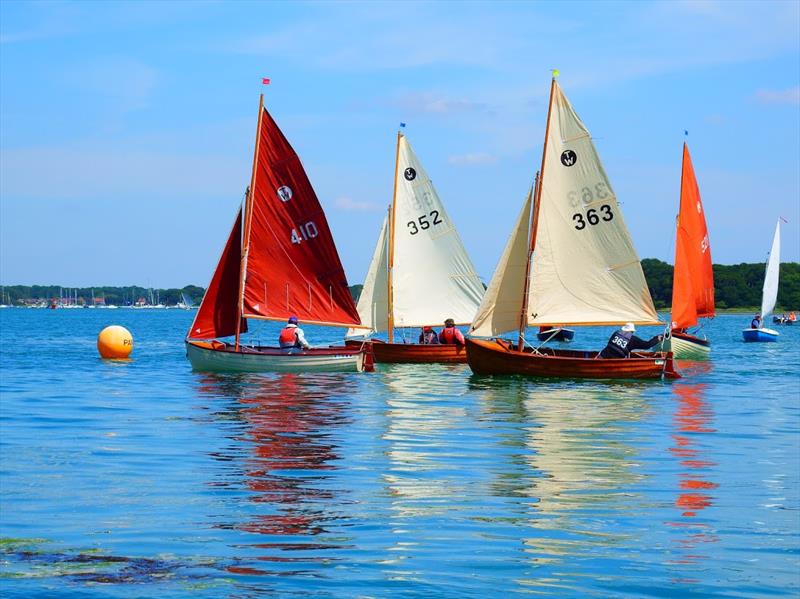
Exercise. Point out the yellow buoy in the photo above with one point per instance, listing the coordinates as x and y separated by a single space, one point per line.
115 342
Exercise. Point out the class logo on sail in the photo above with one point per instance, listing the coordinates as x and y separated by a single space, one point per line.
568 158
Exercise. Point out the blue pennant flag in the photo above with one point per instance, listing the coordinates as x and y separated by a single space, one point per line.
685 132
403 125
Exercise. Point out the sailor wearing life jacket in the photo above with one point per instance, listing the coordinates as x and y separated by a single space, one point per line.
428 336
292 337
450 335
623 341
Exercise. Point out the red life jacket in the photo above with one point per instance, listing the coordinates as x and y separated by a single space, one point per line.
288 337
450 336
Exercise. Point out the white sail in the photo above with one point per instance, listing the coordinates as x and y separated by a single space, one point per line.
770 292
432 277
501 307
585 269
373 305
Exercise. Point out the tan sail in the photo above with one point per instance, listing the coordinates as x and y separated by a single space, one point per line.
373 302
432 275
500 309
585 270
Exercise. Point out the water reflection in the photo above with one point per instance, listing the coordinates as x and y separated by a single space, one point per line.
691 421
581 468
282 449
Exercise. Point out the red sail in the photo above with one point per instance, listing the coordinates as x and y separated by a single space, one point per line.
291 263
217 314
693 283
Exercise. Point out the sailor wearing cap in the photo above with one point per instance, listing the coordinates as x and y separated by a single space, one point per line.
623 341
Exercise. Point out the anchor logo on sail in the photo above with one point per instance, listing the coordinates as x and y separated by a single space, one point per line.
568 158
285 193
410 174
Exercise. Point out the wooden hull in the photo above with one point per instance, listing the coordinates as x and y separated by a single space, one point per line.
759 335
501 357
414 353
559 334
217 356
686 347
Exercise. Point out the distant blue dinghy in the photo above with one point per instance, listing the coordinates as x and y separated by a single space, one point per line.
754 335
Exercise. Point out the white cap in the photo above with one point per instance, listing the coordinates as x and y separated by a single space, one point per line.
629 327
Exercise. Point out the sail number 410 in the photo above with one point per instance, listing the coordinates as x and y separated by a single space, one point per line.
307 231
592 217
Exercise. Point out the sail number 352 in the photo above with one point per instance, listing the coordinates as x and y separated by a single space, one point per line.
424 223
592 217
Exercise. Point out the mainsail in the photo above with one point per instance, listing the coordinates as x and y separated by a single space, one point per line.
218 311
584 270
432 276
769 294
290 263
501 307
280 258
693 285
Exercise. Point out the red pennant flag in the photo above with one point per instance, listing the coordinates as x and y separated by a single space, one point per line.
265 81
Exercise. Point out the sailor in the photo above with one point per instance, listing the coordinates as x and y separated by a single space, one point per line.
292 337
623 341
792 316
756 322
450 335
428 336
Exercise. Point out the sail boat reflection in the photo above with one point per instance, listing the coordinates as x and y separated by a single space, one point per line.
282 428
692 419
582 470
424 410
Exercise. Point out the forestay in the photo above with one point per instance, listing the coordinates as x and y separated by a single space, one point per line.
373 302
585 270
432 278
770 291
501 307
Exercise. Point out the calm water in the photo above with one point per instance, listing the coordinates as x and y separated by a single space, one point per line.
144 479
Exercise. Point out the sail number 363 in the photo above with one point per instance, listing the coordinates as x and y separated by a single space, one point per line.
592 217
424 223
306 232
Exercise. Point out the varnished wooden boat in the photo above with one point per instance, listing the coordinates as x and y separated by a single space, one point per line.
414 353
502 357
218 356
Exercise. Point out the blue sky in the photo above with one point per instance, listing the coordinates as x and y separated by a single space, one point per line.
126 129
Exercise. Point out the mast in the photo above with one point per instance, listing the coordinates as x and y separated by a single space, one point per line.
392 213
523 313
248 205
535 220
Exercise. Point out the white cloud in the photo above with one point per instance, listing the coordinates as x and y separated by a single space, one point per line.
779 96
469 159
351 205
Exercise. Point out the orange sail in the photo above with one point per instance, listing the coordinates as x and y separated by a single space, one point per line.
220 308
290 264
693 283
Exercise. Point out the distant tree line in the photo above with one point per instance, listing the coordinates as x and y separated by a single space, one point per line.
735 285
119 296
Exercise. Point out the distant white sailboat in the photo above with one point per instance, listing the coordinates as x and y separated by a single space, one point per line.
769 293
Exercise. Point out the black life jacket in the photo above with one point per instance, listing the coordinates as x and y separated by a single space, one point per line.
618 344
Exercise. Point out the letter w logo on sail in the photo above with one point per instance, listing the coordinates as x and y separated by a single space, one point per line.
568 157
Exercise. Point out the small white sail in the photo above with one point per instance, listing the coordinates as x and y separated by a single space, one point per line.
501 307
770 291
585 269
432 278
373 304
